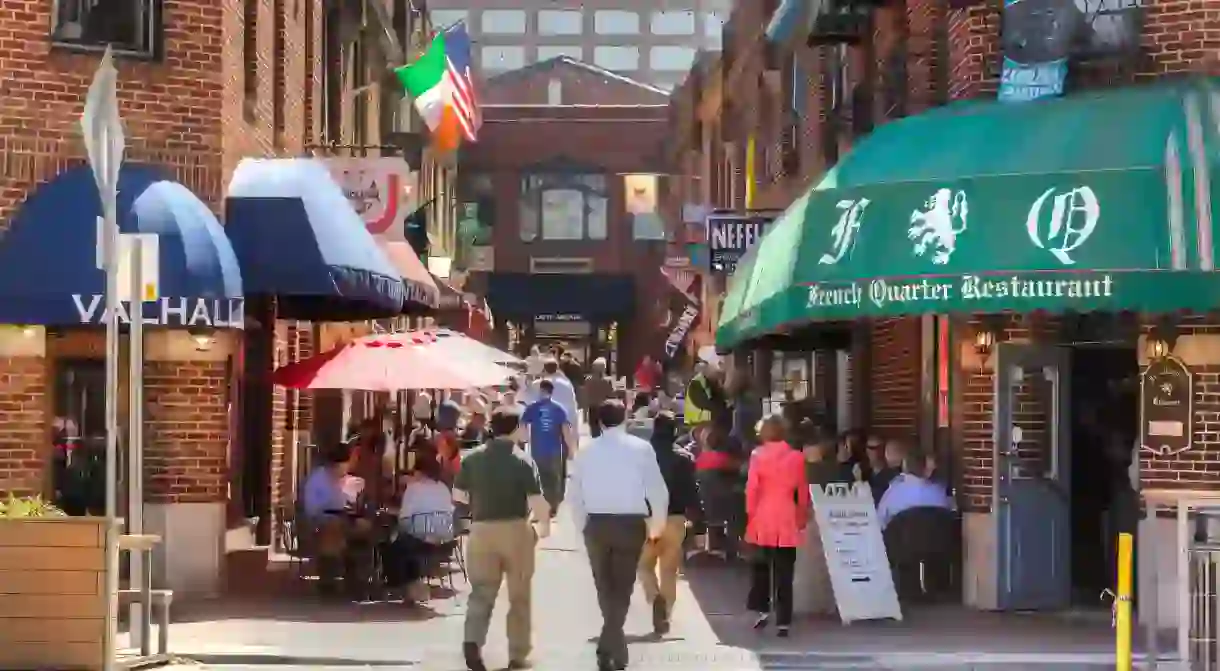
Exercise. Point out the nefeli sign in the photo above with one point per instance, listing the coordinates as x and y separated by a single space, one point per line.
1167 407
731 235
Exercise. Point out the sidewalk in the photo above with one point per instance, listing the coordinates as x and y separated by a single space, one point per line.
711 631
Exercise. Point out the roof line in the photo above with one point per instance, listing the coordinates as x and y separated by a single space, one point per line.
568 60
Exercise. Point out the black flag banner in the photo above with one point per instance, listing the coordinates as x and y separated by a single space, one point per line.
683 314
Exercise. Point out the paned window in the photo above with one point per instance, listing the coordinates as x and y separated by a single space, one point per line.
616 22
563 207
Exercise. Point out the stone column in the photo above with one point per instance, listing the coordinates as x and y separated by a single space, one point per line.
186 454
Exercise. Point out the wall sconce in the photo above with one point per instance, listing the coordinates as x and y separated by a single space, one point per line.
203 339
29 331
990 332
1162 339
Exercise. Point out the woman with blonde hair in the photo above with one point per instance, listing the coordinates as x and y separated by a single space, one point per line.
777 511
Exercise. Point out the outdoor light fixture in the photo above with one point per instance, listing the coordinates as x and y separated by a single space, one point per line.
984 342
29 331
1162 338
203 339
989 333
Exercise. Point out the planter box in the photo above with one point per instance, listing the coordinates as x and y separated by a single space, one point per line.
52 593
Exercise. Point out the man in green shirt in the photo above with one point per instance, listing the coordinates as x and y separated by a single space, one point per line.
499 482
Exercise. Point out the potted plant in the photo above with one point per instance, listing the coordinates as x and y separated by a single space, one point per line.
52 587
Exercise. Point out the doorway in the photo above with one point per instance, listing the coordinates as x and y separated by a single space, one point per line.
1104 425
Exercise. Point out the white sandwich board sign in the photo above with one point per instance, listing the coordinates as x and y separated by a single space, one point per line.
855 552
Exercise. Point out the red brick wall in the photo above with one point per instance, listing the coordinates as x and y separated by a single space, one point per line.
24 430
894 378
185 112
1198 468
186 433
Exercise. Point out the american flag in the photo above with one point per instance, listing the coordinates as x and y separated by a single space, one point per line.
461 80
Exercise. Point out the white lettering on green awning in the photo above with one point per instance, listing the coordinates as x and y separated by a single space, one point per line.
883 293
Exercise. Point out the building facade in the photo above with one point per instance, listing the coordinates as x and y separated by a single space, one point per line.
201 86
649 42
571 262
938 380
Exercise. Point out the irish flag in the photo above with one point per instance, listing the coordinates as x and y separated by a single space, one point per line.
440 83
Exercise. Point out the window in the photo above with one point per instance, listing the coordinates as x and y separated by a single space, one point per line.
280 26
563 207
443 18
713 31
617 58
499 59
673 23
131 26
571 51
560 22
503 22
615 22
671 58
249 58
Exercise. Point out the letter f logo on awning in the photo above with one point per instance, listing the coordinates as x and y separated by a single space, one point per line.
844 232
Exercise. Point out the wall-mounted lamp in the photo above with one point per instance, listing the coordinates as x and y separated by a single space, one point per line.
1162 339
203 339
29 331
988 334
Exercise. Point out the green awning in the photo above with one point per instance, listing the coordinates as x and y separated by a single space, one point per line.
1096 201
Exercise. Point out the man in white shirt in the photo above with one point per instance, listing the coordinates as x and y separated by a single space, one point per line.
619 501
912 489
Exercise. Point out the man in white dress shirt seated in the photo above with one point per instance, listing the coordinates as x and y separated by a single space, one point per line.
913 488
619 501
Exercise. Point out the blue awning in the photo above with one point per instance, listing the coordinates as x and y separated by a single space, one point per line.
48 258
788 20
298 239
593 298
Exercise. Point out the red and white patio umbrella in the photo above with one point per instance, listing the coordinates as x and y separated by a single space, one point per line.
392 362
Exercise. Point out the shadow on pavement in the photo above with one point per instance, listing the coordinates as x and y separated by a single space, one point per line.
305 609
720 589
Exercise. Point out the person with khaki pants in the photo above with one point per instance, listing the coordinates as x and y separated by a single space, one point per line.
500 484
662 557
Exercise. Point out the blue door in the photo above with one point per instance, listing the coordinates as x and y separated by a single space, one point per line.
1032 480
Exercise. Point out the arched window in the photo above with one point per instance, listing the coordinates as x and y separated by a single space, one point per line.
563 206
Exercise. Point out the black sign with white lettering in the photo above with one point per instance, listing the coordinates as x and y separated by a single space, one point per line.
730 236
1167 394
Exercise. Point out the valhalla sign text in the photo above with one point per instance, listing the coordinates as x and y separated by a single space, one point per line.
883 293
168 311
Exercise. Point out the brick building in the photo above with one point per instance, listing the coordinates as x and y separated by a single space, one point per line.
943 379
202 86
585 128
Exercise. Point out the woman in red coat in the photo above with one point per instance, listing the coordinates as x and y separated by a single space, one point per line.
648 374
777 510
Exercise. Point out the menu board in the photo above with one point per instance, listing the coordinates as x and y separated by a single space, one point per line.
855 552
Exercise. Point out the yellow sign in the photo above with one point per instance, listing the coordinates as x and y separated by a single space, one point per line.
750 169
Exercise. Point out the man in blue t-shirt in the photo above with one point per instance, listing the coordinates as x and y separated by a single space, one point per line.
548 423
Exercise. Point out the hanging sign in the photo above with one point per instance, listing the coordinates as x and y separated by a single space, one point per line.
1167 392
855 552
730 235
380 189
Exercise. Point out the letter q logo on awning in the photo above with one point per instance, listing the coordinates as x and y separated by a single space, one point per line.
1073 218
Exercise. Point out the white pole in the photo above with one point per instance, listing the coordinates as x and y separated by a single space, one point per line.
112 413
135 440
